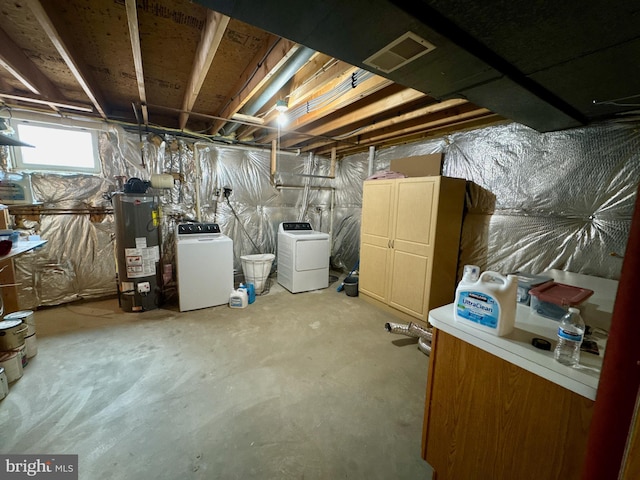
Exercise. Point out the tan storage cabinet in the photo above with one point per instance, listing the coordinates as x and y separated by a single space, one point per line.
409 243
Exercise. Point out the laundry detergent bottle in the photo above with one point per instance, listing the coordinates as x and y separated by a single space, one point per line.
487 301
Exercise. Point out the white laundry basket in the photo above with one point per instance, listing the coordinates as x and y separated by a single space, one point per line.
256 269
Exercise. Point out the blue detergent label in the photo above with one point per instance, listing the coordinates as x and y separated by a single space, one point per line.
479 308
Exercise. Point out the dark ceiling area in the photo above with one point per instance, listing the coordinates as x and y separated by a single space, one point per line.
548 65
354 74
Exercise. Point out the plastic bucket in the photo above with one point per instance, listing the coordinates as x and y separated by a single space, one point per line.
351 286
256 269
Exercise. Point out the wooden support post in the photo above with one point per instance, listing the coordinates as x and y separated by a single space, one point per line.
332 169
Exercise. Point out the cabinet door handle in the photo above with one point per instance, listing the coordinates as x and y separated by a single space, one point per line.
392 243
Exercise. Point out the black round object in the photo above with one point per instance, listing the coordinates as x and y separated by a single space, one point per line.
135 185
541 343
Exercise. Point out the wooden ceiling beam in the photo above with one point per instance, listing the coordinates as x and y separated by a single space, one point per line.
362 116
455 125
368 87
431 122
57 35
418 114
266 63
321 82
24 70
212 34
136 50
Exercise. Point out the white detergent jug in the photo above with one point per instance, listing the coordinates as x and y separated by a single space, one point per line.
487 302
238 298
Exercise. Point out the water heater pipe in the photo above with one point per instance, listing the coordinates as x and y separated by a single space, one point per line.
196 159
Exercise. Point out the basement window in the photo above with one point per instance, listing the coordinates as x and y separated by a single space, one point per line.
57 148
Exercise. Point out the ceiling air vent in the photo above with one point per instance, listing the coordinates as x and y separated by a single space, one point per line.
398 53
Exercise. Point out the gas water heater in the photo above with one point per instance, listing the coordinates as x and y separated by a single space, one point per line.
137 222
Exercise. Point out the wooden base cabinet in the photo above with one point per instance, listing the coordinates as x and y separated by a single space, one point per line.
409 243
486 418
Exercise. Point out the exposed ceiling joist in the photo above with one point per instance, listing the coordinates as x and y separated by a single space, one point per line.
367 87
56 36
22 68
212 33
263 66
134 35
324 80
430 130
391 101
208 75
418 117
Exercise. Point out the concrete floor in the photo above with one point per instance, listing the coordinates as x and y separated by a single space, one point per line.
304 386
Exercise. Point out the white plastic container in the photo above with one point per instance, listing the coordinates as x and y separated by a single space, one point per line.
239 298
488 302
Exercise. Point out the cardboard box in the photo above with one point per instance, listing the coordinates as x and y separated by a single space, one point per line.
419 166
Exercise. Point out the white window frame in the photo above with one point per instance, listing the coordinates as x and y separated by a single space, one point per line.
20 165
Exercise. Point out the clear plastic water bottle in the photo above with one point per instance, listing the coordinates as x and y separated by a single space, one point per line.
570 336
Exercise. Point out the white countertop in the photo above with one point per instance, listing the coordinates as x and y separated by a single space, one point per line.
23 246
516 347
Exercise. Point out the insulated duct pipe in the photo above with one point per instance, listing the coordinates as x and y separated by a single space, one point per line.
424 346
411 329
372 157
297 60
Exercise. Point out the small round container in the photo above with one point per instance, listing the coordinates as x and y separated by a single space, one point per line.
351 286
12 364
27 317
12 333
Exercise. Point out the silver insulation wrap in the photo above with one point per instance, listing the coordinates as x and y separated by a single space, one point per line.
424 346
412 329
534 201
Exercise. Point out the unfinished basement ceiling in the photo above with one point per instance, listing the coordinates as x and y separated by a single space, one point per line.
191 66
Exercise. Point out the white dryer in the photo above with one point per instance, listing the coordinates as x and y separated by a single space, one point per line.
303 257
204 259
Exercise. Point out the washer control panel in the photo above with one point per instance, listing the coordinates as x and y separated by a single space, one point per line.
197 228
296 226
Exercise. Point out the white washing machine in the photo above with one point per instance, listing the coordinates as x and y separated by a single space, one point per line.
303 257
204 260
